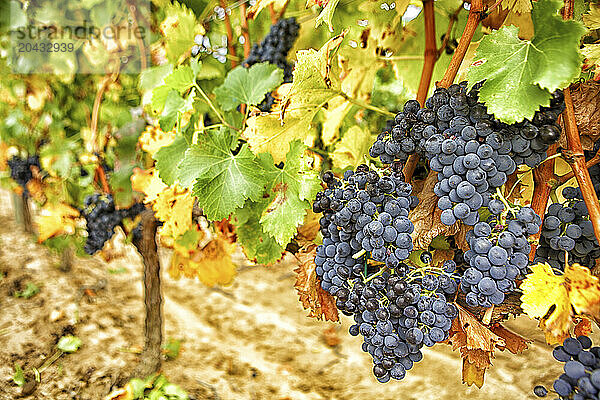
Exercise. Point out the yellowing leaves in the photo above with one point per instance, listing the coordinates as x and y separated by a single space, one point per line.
56 219
310 90
174 207
350 151
147 182
254 10
172 204
312 296
153 138
211 263
556 299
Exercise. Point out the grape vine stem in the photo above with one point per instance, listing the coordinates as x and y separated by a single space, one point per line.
542 176
229 31
475 14
452 19
561 180
431 54
576 159
245 30
430 57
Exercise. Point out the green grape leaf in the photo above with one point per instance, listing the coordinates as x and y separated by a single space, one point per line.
178 29
181 79
159 97
248 85
173 104
327 14
168 159
120 182
291 190
69 344
521 74
189 167
255 242
224 180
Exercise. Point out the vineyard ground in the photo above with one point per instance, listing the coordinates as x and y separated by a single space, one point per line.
251 340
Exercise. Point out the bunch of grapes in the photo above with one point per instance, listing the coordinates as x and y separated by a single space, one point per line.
366 239
102 218
581 379
568 231
274 49
498 253
20 169
472 152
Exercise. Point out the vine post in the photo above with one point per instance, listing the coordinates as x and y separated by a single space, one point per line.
150 359
22 211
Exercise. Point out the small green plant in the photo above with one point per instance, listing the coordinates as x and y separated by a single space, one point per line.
172 348
155 387
30 290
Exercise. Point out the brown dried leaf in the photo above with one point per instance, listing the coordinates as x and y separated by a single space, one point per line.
583 327
440 255
460 238
479 336
312 296
472 375
515 343
586 101
476 344
426 216
331 337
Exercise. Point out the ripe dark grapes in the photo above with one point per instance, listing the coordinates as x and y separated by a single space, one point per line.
581 379
20 169
567 229
499 253
102 218
274 49
397 309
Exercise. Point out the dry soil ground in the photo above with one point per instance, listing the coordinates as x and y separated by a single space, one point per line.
251 340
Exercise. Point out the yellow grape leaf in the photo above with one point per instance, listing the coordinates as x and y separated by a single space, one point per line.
592 19
254 10
311 82
591 52
266 133
518 6
333 117
350 151
554 298
212 264
4 156
153 138
147 182
174 207
360 65
309 92
472 374
56 219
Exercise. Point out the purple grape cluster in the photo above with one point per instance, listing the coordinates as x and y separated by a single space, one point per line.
102 218
567 229
498 253
20 169
581 378
274 49
366 239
